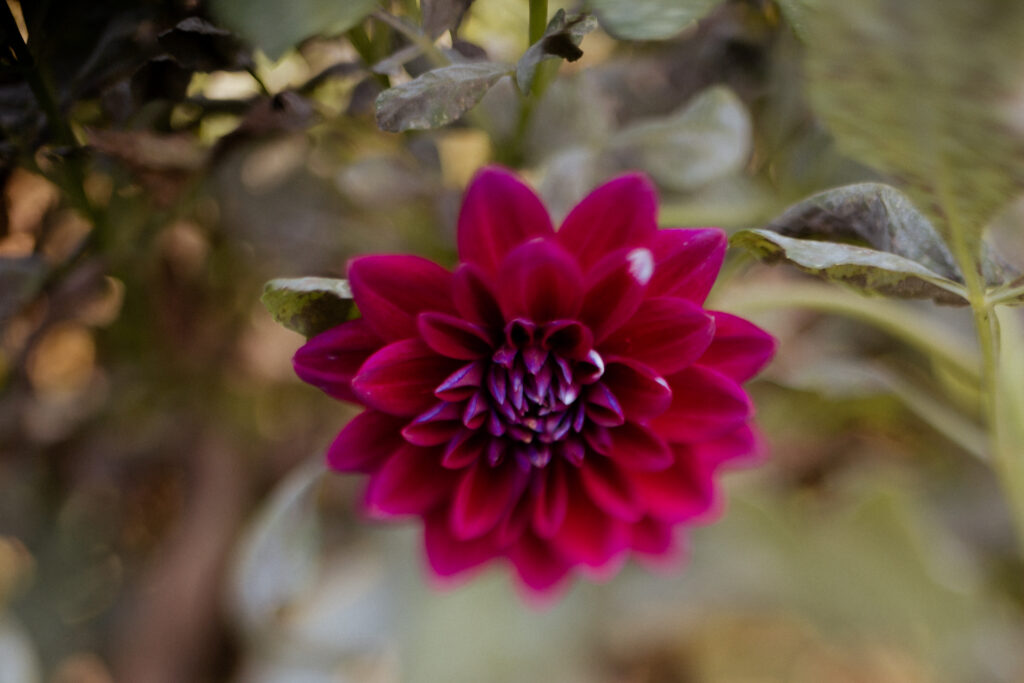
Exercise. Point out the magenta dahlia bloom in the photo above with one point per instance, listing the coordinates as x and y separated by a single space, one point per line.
560 400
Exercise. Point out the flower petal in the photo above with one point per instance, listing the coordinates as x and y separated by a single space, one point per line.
411 482
686 262
539 566
551 499
589 536
475 299
330 360
705 404
637 447
484 496
680 493
651 537
740 348
611 489
641 391
499 213
449 556
453 337
391 289
400 379
614 289
665 333
366 442
540 282
434 427
621 213
742 446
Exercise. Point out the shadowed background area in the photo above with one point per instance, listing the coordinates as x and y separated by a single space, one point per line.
164 511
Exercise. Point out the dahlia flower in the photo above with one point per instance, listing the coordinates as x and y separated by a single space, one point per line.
561 400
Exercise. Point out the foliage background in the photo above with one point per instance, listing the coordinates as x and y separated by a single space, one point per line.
164 515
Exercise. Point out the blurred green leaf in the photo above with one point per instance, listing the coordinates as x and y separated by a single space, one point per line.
929 93
869 270
275 27
441 15
560 41
648 19
706 140
308 305
438 97
20 279
200 46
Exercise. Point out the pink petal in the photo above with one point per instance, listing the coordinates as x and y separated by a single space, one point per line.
641 391
453 337
589 535
464 449
484 496
651 537
611 489
366 442
666 334
401 378
621 213
391 289
410 482
540 282
740 447
449 556
636 447
475 299
705 405
680 493
434 427
551 500
540 568
740 348
330 360
514 524
498 213
614 289
686 262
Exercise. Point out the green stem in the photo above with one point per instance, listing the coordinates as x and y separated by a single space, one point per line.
915 329
363 46
538 19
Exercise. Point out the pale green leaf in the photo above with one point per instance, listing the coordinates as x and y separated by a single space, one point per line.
437 97
929 93
560 41
869 270
648 19
308 305
275 26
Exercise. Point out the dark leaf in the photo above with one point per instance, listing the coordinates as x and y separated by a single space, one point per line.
161 78
437 97
560 40
20 279
200 46
442 15
308 305
869 270
648 19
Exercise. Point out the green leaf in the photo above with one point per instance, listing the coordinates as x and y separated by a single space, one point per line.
648 19
869 270
275 26
560 41
308 305
706 140
928 93
437 97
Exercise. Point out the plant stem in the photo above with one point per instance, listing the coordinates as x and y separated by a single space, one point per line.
538 19
364 48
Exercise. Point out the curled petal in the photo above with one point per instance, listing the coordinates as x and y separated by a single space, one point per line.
484 496
499 212
411 482
390 290
740 348
641 391
686 262
366 442
705 405
614 289
330 360
602 406
464 449
666 334
453 337
621 213
475 299
540 282
400 378
679 493
434 427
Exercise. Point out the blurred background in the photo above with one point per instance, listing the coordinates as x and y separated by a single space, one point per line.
164 512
